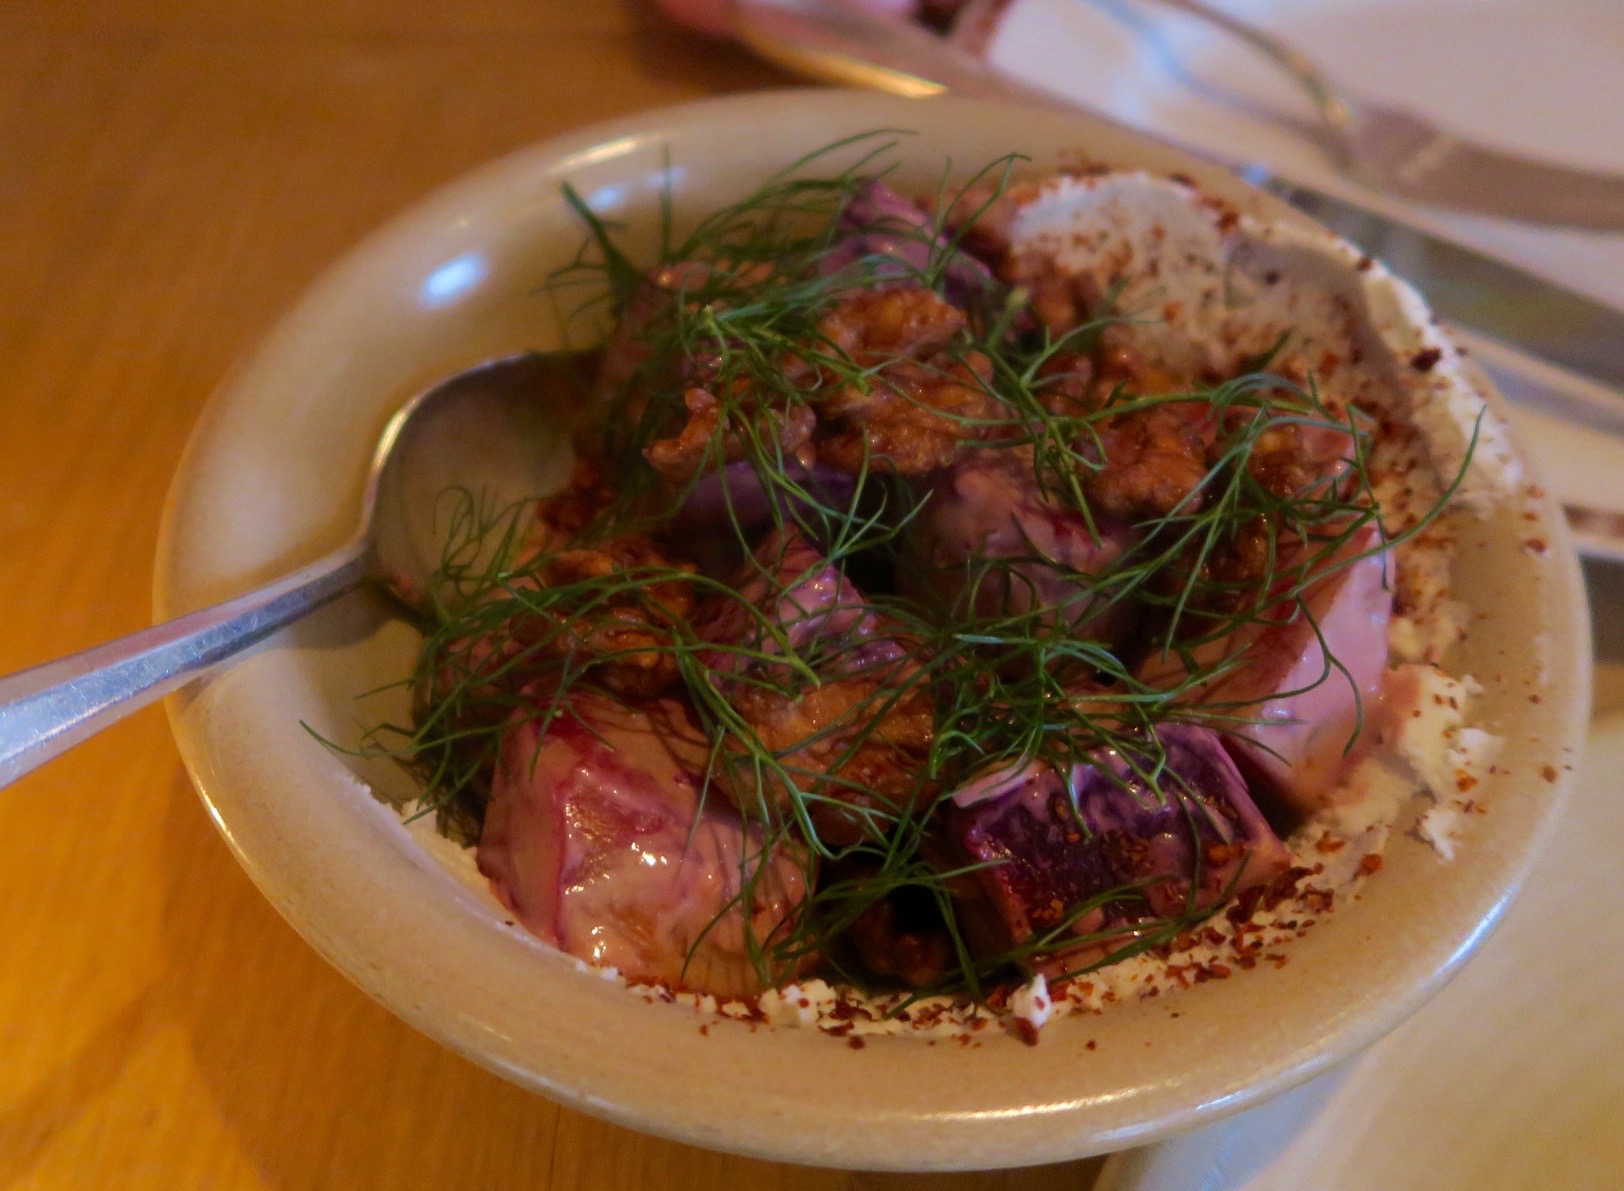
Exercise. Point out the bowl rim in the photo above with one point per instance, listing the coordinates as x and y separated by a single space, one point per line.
1054 1130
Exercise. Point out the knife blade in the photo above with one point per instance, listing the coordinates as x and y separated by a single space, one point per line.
1507 304
1497 299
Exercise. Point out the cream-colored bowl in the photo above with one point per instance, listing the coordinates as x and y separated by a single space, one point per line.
271 480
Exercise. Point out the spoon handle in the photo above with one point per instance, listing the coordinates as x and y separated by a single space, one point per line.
48 709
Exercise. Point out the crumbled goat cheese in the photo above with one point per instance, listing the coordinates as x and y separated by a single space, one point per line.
1441 826
1031 1002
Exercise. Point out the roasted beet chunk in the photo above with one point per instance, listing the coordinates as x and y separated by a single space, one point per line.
851 738
899 240
1050 845
598 839
988 508
1311 679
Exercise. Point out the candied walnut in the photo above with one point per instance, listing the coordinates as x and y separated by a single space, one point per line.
1065 384
1241 567
913 418
1061 301
1120 364
696 445
572 508
983 216
1153 462
881 734
876 326
984 220
627 633
1293 460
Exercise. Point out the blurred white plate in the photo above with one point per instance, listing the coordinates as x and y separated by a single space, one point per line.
1543 77
1512 1077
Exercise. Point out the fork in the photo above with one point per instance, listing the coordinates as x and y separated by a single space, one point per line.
1396 151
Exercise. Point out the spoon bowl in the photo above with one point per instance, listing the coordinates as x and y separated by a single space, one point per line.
480 429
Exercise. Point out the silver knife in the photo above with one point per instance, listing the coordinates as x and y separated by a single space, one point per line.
1508 305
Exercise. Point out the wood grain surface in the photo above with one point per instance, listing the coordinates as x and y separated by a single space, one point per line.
172 173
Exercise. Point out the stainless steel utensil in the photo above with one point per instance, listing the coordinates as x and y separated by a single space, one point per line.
1398 152
1551 349
837 43
50 708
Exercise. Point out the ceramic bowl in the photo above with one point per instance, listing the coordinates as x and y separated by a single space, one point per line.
271 480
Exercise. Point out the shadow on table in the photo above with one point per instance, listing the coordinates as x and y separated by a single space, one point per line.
673 54
322 1087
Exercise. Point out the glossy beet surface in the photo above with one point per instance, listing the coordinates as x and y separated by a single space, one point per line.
879 222
1052 842
988 506
789 588
596 840
1307 709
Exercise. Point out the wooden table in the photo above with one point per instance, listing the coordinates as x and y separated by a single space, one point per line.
172 172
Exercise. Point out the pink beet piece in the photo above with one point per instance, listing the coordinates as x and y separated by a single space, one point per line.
791 589
1052 842
1310 718
596 839
732 500
899 240
988 505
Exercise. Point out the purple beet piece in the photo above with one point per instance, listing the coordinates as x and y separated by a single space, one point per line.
1048 858
733 500
598 839
879 222
790 585
988 505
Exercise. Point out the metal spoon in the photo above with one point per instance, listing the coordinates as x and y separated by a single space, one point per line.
496 422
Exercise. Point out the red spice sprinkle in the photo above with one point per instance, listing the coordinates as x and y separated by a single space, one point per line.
856 1042
1369 863
1091 1045
1548 772
1025 1031
1330 843
1426 360
705 1029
